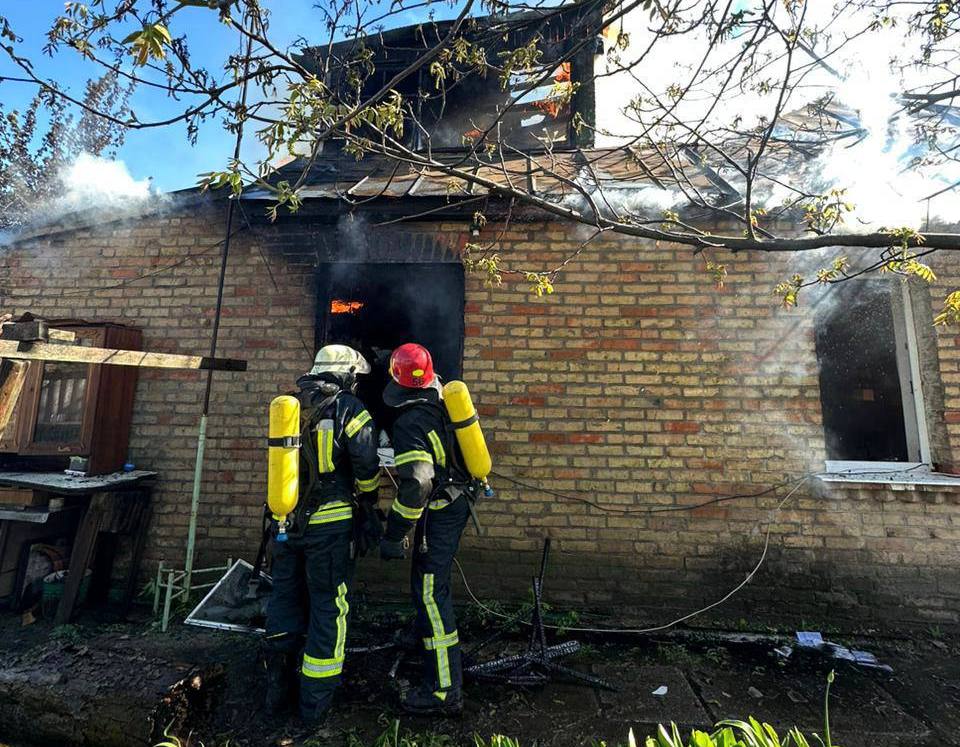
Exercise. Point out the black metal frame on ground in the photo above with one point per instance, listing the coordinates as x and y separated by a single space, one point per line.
538 664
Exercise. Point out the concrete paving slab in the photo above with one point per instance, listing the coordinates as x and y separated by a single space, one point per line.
635 703
862 711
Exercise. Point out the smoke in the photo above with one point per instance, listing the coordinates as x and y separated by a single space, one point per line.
353 233
614 202
885 174
883 163
94 182
87 186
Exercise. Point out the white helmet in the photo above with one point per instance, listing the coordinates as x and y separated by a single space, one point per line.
339 359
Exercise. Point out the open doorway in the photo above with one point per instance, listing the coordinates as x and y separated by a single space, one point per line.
376 306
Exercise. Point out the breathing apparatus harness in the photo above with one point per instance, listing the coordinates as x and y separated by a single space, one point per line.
311 415
458 480
313 412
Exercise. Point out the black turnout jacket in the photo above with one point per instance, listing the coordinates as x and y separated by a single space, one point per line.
426 454
339 461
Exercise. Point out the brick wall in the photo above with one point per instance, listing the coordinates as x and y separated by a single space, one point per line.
640 384
637 385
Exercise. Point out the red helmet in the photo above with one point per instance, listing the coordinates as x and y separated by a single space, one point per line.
411 366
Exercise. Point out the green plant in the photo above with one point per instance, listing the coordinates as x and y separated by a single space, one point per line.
394 737
497 740
718 656
676 654
68 633
172 740
732 733
492 612
736 733
826 711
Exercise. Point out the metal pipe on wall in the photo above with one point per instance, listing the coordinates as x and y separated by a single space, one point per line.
214 338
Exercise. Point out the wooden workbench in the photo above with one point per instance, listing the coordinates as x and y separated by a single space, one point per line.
112 505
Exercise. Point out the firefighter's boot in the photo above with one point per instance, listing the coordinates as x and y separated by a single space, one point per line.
424 702
314 715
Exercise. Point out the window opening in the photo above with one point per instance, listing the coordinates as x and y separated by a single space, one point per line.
868 375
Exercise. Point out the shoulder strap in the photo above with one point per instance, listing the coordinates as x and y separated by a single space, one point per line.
308 445
450 444
456 458
316 412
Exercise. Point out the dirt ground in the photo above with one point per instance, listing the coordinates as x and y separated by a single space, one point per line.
707 676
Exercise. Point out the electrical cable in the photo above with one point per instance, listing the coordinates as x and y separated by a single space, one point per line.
655 628
694 506
269 269
79 292
796 485
651 509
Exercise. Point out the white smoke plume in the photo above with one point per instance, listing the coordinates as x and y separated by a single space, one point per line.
88 185
883 171
94 182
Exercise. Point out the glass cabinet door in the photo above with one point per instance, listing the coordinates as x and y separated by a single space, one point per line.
61 400
60 408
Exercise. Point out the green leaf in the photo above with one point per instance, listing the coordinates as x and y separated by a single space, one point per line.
702 739
162 31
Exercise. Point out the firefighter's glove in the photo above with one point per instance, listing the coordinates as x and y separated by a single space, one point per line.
393 549
368 524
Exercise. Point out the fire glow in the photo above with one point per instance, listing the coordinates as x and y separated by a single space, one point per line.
345 307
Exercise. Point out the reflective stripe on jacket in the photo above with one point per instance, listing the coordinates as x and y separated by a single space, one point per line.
343 441
427 458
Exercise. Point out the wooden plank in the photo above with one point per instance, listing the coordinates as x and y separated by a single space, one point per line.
13 375
35 330
61 335
31 330
81 555
18 497
46 351
110 432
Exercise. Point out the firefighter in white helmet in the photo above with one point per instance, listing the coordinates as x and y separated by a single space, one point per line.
335 518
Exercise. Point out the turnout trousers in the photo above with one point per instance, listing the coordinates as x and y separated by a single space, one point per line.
311 574
442 524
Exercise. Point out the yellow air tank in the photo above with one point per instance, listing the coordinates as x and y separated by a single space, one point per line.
463 415
283 462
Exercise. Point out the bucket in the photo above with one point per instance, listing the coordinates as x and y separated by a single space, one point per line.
53 584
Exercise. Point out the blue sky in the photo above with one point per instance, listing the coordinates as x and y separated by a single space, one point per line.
165 153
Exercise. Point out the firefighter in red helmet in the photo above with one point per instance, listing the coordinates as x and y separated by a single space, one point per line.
434 490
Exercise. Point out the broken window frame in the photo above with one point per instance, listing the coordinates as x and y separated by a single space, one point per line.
911 390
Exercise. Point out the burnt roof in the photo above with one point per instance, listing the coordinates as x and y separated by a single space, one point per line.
338 175
396 44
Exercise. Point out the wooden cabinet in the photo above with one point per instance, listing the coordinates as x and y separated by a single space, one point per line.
72 409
